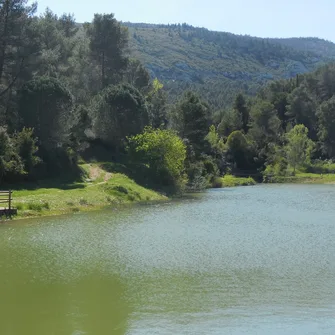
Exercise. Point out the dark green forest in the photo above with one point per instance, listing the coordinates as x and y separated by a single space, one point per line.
74 92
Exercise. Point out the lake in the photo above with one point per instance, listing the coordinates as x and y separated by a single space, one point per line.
249 260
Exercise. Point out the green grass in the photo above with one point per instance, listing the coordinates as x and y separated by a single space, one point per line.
305 178
232 181
106 189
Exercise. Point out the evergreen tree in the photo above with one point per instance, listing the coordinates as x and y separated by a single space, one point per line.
191 119
118 112
45 105
242 110
108 42
326 121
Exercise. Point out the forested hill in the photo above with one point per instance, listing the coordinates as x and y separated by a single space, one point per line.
219 64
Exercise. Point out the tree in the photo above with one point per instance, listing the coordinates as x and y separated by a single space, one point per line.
68 25
26 146
15 45
157 103
216 142
164 153
299 146
265 125
238 149
326 122
45 105
108 42
280 103
301 109
85 80
242 110
80 127
119 111
137 76
230 122
191 119
10 162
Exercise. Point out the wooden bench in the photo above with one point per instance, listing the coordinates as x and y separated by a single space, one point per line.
6 208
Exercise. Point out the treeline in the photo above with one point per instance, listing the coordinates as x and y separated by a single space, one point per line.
263 49
289 125
69 92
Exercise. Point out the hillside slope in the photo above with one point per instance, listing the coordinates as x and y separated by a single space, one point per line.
219 64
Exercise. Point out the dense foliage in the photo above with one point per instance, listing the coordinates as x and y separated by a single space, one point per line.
70 91
164 152
219 65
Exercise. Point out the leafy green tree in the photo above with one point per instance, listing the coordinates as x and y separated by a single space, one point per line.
326 121
299 146
164 153
119 111
108 42
216 142
45 105
191 119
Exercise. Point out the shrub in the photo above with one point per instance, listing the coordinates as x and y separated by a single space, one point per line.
217 182
164 153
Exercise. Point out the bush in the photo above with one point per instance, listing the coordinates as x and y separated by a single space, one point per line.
164 153
197 177
217 182
321 167
11 166
26 147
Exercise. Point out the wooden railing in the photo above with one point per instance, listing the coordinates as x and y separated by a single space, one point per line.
6 198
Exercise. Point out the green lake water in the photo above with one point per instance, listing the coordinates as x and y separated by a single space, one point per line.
249 260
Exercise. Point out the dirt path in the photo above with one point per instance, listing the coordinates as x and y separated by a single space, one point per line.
96 172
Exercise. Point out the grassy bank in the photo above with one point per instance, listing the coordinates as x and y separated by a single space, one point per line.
100 189
232 181
304 178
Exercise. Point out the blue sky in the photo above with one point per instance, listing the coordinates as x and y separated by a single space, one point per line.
263 18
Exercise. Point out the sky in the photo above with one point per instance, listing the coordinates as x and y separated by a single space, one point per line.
263 18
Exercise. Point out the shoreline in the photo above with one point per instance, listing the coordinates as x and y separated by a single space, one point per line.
102 190
119 192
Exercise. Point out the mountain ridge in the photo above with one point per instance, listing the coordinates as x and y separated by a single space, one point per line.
220 64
